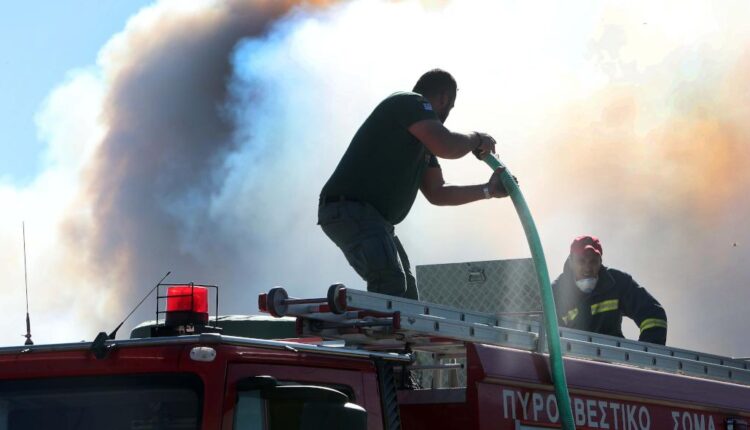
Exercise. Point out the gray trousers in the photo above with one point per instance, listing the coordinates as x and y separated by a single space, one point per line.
370 246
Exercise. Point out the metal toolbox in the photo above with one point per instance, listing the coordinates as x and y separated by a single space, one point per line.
499 286
494 287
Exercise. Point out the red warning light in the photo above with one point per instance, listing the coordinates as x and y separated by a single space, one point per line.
187 304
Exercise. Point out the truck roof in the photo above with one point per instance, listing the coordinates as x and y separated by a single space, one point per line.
211 339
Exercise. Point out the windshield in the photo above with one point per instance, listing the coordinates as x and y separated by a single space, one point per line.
142 402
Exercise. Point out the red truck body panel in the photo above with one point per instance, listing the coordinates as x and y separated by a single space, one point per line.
505 387
219 376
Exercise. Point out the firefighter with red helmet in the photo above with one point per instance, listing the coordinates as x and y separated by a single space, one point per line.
592 297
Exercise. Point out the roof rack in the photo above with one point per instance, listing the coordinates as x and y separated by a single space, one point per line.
208 339
375 322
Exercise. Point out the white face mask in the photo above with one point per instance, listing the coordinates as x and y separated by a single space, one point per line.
587 284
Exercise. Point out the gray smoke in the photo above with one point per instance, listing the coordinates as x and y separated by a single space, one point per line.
151 181
222 120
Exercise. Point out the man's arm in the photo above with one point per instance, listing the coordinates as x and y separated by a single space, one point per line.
437 192
647 313
559 308
449 144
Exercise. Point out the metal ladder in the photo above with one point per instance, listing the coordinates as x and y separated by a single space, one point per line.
380 322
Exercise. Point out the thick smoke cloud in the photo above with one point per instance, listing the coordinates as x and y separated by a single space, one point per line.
131 181
217 124
150 183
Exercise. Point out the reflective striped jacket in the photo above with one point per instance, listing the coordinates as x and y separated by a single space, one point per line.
616 294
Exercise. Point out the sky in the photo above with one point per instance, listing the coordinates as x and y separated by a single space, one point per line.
194 137
43 42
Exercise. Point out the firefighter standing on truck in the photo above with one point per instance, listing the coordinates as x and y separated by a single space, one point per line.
593 297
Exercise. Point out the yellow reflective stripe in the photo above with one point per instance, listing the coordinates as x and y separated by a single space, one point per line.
653 322
605 306
572 314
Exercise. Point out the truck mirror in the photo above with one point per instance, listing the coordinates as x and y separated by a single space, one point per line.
304 393
312 407
256 383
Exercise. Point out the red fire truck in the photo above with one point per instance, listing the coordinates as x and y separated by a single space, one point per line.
350 366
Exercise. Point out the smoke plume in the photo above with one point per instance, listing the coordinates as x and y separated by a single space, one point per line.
200 142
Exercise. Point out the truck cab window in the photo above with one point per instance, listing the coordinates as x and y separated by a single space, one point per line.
250 412
163 402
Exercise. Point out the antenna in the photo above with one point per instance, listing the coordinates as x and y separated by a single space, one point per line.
26 281
114 332
98 346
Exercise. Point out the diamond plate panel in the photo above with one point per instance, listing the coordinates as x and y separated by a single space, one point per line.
484 286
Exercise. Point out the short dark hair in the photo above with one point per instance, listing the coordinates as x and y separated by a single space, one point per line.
435 82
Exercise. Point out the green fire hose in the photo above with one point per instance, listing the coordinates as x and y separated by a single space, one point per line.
548 302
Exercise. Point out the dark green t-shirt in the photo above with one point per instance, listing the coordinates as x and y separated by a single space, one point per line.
384 163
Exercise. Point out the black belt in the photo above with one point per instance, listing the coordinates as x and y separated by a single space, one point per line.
334 199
